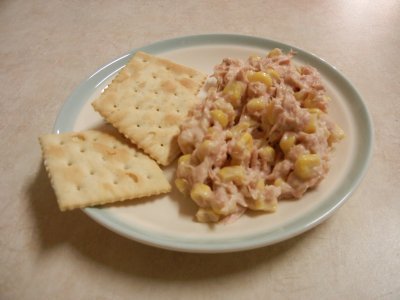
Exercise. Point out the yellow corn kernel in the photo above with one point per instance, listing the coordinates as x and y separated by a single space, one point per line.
220 117
336 135
287 142
326 98
311 127
273 73
278 182
300 96
234 91
309 101
260 185
305 164
201 194
267 153
254 58
260 204
182 185
240 128
261 77
275 52
232 173
204 149
270 115
255 104
184 159
315 111
206 215
246 141
211 131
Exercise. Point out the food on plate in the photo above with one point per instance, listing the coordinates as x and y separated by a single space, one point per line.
148 100
93 167
261 134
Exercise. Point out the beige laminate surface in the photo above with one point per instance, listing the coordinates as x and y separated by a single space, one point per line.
48 47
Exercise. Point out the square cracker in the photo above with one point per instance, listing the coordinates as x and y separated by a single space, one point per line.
147 102
93 167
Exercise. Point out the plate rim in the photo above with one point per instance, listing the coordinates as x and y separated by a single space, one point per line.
294 228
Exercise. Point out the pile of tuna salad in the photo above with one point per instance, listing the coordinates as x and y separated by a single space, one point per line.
261 134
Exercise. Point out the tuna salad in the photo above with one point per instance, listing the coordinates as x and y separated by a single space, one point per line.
260 134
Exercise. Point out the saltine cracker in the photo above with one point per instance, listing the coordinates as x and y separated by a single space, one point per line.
94 167
148 100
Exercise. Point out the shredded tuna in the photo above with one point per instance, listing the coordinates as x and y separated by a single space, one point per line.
261 134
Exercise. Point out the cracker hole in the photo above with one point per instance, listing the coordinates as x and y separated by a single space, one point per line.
83 150
91 172
155 92
157 109
137 107
159 126
178 111
191 76
137 125
115 181
78 188
62 143
175 94
114 146
148 176
115 105
134 177
154 76
162 145
144 60
69 163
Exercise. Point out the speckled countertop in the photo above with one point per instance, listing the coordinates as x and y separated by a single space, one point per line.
48 47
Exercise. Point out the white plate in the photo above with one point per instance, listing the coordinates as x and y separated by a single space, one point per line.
167 221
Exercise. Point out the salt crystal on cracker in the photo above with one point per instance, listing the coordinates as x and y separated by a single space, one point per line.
93 167
148 100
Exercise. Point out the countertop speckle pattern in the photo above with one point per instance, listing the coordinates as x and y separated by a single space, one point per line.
48 47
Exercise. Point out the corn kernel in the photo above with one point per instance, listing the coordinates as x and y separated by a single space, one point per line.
184 159
204 149
254 58
309 101
336 135
263 205
234 91
240 128
311 127
278 182
267 153
260 185
232 173
255 104
287 142
207 215
305 164
316 111
300 96
201 194
182 185
275 52
274 74
246 141
270 115
261 77
220 117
